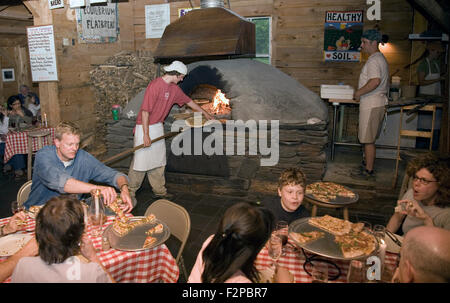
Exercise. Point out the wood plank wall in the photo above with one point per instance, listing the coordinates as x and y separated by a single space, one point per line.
298 32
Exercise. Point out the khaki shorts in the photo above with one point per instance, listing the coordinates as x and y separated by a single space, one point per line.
370 122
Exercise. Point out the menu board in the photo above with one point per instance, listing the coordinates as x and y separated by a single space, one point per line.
41 46
157 17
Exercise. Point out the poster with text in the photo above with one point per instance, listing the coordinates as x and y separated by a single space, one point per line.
342 38
41 46
157 17
98 24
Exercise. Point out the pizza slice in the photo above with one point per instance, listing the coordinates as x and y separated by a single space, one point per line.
155 229
306 237
356 244
331 224
149 241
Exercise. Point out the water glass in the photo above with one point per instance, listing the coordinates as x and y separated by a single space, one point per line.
96 216
282 231
275 246
17 207
356 272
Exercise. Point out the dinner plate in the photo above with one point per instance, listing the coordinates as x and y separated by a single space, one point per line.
12 243
391 246
339 199
325 246
134 240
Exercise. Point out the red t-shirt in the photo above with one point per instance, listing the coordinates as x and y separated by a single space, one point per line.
158 100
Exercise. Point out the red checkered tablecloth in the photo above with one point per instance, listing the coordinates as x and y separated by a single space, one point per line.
17 142
293 259
144 266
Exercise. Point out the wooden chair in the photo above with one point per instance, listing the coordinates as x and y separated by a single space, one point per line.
23 193
179 222
40 136
413 133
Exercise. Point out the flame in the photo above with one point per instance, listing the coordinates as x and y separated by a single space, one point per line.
220 101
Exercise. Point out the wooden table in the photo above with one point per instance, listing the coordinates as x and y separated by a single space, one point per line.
151 265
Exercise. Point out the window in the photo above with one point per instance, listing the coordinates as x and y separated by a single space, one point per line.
262 35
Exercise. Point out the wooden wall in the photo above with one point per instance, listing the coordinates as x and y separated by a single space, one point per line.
297 44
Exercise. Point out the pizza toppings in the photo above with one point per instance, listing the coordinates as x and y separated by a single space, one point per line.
307 237
331 224
155 230
123 226
356 244
149 241
328 191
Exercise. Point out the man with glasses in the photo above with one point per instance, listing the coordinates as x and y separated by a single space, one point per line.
427 201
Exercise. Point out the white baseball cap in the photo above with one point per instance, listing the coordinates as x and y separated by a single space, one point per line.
176 66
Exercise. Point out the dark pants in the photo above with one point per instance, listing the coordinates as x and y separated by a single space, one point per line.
18 161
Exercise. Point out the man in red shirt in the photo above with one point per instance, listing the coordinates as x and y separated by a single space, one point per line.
161 94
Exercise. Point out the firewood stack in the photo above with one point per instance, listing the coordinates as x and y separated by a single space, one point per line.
117 81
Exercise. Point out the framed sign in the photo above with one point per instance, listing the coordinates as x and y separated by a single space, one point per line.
8 74
98 24
342 38
41 46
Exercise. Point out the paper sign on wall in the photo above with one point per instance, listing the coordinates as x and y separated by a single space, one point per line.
157 17
76 3
98 24
97 1
55 4
342 38
41 46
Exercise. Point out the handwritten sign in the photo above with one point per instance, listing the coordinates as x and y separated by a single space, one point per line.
55 4
41 45
157 17
343 31
98 24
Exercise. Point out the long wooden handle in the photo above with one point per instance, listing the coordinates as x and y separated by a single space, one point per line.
131 150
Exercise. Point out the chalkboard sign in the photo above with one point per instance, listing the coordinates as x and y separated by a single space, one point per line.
41 46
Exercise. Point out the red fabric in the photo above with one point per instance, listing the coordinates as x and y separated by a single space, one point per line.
17 143
158 100
144 266
293 260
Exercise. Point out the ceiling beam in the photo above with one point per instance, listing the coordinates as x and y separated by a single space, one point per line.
433 11
4 29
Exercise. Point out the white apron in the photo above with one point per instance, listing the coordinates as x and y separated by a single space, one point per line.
153 156
434 88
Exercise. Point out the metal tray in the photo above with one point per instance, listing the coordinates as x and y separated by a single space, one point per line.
134 240
339 199
325 246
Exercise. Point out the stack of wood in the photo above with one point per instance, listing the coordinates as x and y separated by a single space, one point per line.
117 81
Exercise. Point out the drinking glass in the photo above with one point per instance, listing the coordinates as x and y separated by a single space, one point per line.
282 231
356 272
379 231
16 207
96 215
319 272
275 247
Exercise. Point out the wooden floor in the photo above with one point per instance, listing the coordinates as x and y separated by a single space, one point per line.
376 199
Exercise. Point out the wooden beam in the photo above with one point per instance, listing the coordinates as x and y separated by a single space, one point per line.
435 11
12 30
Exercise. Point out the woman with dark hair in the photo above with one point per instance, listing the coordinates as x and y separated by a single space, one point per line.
229 255
427 202
18 113
59 230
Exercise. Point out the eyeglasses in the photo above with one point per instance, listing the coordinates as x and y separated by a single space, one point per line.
423 181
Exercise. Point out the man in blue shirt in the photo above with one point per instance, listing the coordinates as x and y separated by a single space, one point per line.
65 169
24 91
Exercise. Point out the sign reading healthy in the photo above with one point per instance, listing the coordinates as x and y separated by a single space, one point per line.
259 133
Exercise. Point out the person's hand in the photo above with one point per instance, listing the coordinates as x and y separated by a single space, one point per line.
29 250
20 112
147 141
283 275
396 276
87 249
413 209
126 198
109 194
356 95
15 223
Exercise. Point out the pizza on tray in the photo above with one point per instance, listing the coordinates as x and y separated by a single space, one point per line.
149 241
157 229
123 226
306 237
355 244
328 191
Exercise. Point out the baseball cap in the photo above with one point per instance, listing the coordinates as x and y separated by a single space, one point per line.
176 66
372 34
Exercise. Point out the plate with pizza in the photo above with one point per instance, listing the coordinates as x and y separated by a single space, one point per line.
330 192
137 233
332 237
